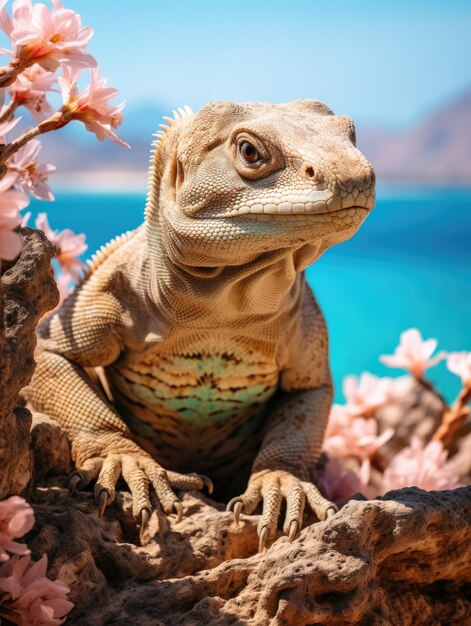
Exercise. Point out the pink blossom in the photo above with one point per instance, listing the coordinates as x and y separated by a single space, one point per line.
31 176
91 105
424 467
29 90
459 363
365 394
11 201
69 246
16 519
339 484
47 37
29 597
351 435
398 388
413 353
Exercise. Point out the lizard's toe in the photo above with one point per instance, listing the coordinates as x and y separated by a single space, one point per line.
189 481
274 486
85 473
141 472
106 482
295 503
322 507
272 498
160 481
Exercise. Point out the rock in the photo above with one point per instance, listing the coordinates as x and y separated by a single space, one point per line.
27 291
401 559
50 447
417 414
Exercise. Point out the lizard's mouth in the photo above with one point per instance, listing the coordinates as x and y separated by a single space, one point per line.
340 213
303 207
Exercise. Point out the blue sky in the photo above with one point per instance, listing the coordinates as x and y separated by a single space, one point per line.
378 61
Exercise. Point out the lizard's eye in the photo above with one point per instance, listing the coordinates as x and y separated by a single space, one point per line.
248 152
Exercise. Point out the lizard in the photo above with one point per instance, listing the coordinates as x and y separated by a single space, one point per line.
213 345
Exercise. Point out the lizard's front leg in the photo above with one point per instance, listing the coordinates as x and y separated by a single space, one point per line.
102 446
290 449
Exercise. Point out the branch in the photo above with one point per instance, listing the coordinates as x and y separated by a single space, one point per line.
10 148
56 121
454 417
9 73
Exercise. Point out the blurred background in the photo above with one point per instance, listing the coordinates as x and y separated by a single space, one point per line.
401 70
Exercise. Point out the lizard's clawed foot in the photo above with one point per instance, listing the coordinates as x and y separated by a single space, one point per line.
272 486
141 473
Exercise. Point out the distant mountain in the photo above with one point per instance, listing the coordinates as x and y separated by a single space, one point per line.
438 149
81 159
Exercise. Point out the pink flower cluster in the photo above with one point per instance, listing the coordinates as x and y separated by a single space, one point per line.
413 354
352 438
42 41
30 89
91 105
48 38
350 435
16 519
459 363
423 466
69 247
27 596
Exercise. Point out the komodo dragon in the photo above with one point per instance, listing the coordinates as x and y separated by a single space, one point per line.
213 345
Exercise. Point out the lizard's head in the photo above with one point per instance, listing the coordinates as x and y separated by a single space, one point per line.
235 181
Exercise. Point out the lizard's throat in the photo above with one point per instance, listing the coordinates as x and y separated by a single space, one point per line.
265 286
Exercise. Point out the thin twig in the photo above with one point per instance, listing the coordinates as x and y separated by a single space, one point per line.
427 385
10 148
9 74
454 417
9 111
56 121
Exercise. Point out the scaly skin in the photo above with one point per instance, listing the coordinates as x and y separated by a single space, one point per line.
213 346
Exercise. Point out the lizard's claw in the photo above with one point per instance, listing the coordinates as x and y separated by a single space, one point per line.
102 502
271 487
331 511
145 515
208 483
293 530
179 511
74 481
140 472
238 506
262 539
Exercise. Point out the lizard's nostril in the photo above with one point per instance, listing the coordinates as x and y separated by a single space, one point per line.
310 173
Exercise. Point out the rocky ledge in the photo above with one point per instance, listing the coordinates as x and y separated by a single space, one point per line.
27 291
401 559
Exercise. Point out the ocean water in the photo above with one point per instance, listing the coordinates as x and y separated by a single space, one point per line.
409 265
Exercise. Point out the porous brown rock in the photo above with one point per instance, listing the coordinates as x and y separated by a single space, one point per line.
27 291
401 559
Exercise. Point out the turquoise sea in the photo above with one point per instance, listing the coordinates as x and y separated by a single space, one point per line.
409 265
